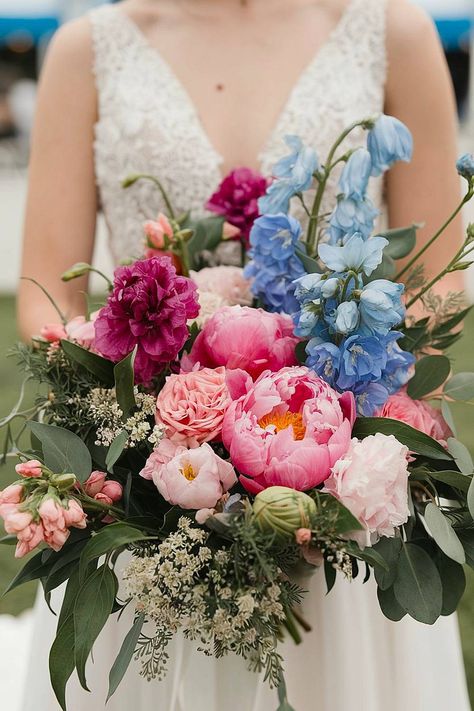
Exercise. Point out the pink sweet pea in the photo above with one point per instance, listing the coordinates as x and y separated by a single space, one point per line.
31 469
286 429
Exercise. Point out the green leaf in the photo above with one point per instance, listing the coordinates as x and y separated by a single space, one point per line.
369 555
34 569
450 323
470 498
111 538
300 352
460 387
96 365
124 384
448 416
430 373
418 587
69 599
415 440
401 241
207 236
8 541
92 609
461 455
310 265
330 574
444 534
385 270
454 479
389 549
283 697
116 448
466 537
389 605
61 660
125 655
63 450
453 579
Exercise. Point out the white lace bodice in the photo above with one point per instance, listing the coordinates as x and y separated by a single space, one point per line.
148 123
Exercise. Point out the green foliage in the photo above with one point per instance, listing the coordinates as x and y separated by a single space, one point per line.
460 387
63 451
207 236
61 660
401 241
124 384
443 533
415 440
111 538
310 265
430 373
125 655
418 588
116 449
99 367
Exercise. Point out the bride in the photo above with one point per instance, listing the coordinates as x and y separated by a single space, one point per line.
187 90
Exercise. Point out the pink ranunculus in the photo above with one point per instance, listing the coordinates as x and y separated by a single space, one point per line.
287 429
74 515
371 480
194 478
157 230
191 406
29 539
95 483
225 281
113 490
417 414
12 494
252 340
81 331
53 332
149 308
162 454
54 524
31 469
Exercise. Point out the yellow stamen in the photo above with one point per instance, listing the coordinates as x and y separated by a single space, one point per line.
188 472
283 420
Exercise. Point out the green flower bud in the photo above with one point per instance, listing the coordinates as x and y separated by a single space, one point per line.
283 511
63 482
78 270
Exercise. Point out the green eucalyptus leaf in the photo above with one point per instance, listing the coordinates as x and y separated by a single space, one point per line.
116 449
389 549
125 655
453 579
466 537
455 479
207 236
448 416
444 534
102 368
124 384
368 555
401 241
61 660
460 387
63 450
461 455
430 373
470 498
415 440
418 587
389 605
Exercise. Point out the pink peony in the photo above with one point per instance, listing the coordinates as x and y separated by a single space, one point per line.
237 198
191 406
417 414
194 478
286 429
249 339
31 469
149 308
371 480
225 281
158 232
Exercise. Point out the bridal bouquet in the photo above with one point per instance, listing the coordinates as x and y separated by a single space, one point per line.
234 429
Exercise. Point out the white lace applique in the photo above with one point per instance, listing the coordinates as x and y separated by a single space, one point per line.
148 124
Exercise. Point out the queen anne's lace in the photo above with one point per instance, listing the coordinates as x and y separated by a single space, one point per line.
148 124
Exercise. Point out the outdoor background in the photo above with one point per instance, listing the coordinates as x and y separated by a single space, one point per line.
21 53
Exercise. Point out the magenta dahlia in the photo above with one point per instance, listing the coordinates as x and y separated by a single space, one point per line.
149 308
237 197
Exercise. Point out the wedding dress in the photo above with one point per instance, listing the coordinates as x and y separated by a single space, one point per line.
354 658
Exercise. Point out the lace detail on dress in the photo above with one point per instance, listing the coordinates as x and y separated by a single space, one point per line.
148 124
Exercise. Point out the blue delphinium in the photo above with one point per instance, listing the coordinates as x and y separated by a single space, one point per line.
275 266
398 368
293 174
355 176
465 166
389 141
355 254
380 306
352 216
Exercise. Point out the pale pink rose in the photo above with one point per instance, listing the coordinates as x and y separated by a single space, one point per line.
157 230
13 494
286 428
194 479
191 406
81 331
95 483
241 337
74 516
31 469
29 539
417 414
162 454
53 332
113 490
303 536
371 480
227 282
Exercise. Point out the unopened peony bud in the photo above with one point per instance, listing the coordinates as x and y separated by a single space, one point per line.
282 510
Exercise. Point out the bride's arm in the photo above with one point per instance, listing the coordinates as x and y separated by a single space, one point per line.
419 92
61 206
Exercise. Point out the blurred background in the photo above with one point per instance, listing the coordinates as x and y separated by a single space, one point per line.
26 27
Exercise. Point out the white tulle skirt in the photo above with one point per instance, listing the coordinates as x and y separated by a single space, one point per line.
353 659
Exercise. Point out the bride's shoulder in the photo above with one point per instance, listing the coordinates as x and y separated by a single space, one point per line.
72 44
408 26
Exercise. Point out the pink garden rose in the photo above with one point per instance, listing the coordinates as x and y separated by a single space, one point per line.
371 480
227 282
102 489
149 308
286 429
417 414
194 478
113 490
31 469
95 483
249 339
191 406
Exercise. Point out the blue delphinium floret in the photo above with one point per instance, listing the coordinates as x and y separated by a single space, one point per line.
352 216
381 307
356 254
293 174
389 141
399 367
275 266
355 176
347 317
465 166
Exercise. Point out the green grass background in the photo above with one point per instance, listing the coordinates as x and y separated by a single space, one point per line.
10 380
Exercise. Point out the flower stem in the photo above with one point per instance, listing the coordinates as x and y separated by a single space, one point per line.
49 297
128 182
98 506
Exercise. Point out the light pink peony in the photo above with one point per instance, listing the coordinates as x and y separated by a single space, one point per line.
241 337
162 454
371 480
417 414
191 406
31 469
286 429
194 478
227 282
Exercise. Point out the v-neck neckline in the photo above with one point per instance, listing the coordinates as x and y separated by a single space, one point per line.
190 104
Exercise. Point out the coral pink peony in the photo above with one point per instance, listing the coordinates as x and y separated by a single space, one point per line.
148 308
241 337
194 478
191 406
31 469
287 429
417 414
224 281
371 480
